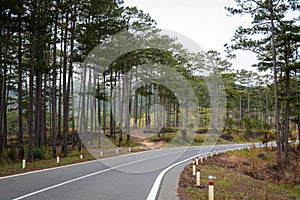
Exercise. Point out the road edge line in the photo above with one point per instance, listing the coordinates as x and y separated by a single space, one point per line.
153 194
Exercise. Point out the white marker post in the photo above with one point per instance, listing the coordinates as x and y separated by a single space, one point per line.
205 157
23 163
101 154
81 156
198 177
117 151
197 161
211 190
57 159
129 149
194 169
201 159
211 154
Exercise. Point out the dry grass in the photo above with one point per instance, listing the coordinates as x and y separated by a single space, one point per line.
245 174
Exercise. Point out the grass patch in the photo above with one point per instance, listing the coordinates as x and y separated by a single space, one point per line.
11 164
245 174
8 167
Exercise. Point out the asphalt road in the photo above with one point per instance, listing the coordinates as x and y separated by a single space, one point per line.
134 176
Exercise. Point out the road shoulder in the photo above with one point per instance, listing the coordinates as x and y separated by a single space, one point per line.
169 184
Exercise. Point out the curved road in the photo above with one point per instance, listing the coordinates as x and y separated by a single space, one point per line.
128 177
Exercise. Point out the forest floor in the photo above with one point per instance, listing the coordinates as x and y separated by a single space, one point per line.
245 174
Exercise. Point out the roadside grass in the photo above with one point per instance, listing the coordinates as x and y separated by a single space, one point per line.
292 189
244 174
11 164
167 137
200 139
231 185
115 143
8 167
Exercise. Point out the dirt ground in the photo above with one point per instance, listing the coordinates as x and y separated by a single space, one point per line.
246 174
147 144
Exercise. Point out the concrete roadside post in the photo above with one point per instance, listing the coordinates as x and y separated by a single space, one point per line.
211 187
23 163
197 161
198 177
81 156
194 169
57 159
211 190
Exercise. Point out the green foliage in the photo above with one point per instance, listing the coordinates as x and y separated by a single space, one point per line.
38 153
229 122
12 154
267 137
264 156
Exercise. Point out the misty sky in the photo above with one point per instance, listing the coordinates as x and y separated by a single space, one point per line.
204 21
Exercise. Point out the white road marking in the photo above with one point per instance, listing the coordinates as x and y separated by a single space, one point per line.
82 163
156 186
154 190
88 175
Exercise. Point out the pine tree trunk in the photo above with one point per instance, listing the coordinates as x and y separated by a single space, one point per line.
141 111
65 93
70 78
99 116
275 85
120 107
111 129
38 110
3 104
20 95
248 105
1 91
30 100
59 137
241 111
44 111
128 112
148 119
114 111
177 115
135 110
287 109
104 104
53 91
